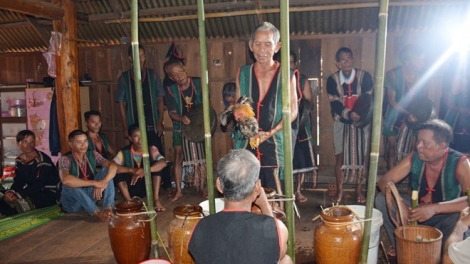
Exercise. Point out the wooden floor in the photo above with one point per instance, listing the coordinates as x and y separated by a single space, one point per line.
78 238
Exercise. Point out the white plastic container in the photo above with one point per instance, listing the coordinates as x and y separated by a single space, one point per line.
219 205
156 261
377 222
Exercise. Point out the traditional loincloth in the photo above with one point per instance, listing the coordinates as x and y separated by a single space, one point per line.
194 159
354 151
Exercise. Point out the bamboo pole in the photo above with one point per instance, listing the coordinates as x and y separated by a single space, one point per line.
141 118
468 195
277 10
206 104
286 125
377 124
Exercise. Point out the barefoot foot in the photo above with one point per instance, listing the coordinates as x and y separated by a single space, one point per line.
103 216
176 196
338 197
299 197
360 199
158 206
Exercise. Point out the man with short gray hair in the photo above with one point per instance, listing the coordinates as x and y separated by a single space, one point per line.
236 235
262 82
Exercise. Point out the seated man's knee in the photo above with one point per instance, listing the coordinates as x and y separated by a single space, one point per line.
380 201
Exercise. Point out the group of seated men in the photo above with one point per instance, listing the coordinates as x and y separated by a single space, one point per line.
83 175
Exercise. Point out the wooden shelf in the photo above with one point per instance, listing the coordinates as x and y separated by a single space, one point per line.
6 158
15 120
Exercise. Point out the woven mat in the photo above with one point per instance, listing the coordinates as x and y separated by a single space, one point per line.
14 225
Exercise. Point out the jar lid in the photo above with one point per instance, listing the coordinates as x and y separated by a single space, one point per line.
337 214
188 210
129 206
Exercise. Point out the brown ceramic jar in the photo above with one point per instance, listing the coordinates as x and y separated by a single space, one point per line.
180 230
129 233
337 239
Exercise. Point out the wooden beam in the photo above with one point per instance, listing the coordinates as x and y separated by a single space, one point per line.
259 7
116 6
34 8
40 30
68 91
117 10
14 25
292 9
82 18
236 5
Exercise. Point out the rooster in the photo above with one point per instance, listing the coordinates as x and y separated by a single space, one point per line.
244 117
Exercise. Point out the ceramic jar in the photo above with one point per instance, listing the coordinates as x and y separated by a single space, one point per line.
129 233
270 194
337 239
180 230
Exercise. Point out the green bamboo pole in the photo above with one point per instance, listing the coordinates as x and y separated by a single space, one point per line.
206 104
141 115
468 195
377 124
286 124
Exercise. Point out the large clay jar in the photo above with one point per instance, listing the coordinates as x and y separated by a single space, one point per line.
180 231
337 239
129 233
270 194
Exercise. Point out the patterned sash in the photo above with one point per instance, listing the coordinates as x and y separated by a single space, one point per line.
194 159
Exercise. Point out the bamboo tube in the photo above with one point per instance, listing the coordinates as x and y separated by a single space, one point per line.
141 118
377 124
206 105
286 127
468 195
414 202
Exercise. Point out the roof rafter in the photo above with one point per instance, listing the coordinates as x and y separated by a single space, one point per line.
259 7
253 11
40 30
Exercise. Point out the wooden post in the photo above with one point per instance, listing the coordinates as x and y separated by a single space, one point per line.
67 88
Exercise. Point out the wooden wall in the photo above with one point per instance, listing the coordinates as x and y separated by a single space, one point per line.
105 64
15 68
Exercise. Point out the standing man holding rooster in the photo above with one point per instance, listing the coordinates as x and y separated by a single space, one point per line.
262 82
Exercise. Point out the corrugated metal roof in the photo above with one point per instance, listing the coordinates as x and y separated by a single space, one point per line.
176 19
